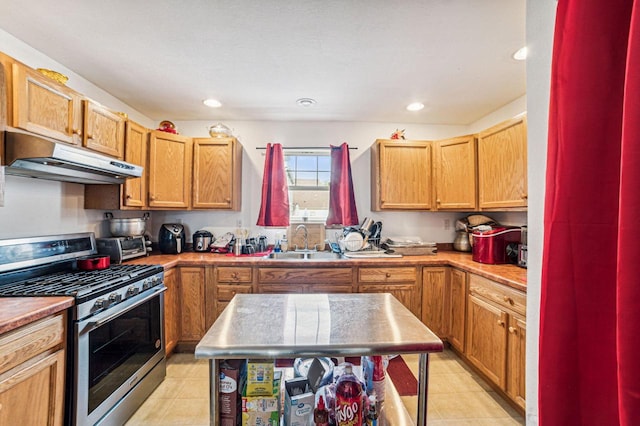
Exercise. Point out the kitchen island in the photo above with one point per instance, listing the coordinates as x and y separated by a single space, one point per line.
319 325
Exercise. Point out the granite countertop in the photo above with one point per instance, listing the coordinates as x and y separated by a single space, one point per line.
510 275
18 311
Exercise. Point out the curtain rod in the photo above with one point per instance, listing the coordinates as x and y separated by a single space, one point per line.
304 147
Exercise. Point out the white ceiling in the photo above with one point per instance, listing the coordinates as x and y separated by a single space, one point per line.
361 60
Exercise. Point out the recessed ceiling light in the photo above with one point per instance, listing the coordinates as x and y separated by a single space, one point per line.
521 54
415 106
306 102
213 103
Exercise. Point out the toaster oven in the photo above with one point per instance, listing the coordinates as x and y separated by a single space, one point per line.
120 249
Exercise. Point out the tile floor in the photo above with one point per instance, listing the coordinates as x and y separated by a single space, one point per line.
457 396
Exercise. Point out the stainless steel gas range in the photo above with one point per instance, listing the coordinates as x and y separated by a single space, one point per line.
116 352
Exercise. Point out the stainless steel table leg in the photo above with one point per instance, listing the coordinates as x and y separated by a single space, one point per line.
423 380
214 384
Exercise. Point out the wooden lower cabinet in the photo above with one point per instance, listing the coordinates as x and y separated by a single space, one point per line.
192 303
496 335
304 280
32 373
434 300
171 310
401 282
231 280
487 339
457 295
516 359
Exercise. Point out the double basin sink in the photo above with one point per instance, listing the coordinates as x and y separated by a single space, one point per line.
304 255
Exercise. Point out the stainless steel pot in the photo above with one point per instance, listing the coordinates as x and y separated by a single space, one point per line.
127 227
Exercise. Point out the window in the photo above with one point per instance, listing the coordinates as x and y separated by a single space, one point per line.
308 177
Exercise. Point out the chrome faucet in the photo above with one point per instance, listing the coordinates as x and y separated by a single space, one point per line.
306 236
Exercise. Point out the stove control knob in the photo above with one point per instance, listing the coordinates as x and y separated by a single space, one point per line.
132 291
115 298
146 284
155 279
101 304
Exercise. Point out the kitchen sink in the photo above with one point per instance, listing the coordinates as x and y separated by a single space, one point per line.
304 255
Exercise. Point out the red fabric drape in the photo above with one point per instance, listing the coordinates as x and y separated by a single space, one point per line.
274 209
589 344
342 202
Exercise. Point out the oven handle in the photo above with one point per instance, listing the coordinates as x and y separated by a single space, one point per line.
95 324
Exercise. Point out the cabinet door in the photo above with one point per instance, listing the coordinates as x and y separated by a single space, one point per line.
434 300
42 106
457 308
502 165
192 303
217 173
486 345
103 130
134 191
171 310
405 293
34 394
516 360
169 170
455 173
401 175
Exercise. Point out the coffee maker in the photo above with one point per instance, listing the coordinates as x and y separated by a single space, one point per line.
172 238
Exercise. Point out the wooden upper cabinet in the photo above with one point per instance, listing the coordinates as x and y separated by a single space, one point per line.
401 177
103 129
502 165
43 106
134 191
169 170
455 173
217 173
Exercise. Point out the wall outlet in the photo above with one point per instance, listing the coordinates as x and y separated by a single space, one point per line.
447 224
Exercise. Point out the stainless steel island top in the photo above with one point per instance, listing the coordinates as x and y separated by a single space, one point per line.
314 325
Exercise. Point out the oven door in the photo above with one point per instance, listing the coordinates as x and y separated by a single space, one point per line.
114 351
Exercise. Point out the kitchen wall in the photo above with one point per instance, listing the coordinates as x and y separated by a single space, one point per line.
256 134
540 27
36 207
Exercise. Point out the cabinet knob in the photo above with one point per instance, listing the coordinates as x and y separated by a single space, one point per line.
512 330
525 196
234 275
508 300
438 201
388 275
228 200
152 197
501 323
128 197
77 132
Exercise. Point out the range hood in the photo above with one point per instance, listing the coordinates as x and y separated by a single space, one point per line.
35 156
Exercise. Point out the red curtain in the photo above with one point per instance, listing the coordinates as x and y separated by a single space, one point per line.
342 202
589 362
274 209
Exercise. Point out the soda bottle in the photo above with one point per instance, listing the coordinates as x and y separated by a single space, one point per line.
349 403
321 414
378 377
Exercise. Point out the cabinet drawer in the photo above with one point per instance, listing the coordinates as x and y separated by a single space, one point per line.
226 292
387 275
499 294
234 275
30 340
304 276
